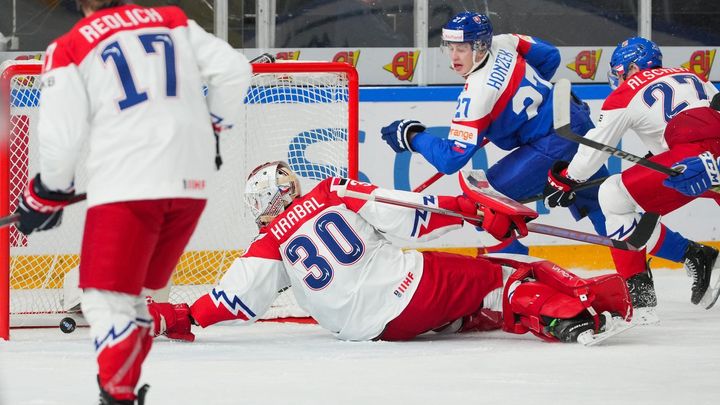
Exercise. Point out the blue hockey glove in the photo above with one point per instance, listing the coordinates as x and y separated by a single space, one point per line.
560 189
39 208
699 174
398 134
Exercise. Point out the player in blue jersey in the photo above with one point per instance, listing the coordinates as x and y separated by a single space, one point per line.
507 99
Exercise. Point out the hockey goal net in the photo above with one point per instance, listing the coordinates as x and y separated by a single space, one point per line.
304 113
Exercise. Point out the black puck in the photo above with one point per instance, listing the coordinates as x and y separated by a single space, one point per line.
67 325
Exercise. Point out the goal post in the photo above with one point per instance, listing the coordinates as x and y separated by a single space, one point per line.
305 113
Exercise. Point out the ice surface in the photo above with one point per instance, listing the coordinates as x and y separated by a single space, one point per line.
676 362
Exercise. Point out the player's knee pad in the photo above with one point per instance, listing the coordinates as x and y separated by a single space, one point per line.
122 339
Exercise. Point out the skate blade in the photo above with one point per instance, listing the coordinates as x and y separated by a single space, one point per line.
588 338
713 292
645 316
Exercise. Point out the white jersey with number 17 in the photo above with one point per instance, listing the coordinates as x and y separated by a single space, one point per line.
131 80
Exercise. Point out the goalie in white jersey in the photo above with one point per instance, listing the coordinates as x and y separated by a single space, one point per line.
330 248
645 98
129 80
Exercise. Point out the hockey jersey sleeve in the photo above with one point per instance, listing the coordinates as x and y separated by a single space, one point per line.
541 55
611 126
63 117
248 288
446 155
402 222
226 72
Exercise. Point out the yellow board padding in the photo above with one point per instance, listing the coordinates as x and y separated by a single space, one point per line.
206 267
48 271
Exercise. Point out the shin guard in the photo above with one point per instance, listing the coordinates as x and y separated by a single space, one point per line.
122 333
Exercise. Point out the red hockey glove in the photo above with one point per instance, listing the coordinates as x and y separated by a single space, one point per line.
171 320
39 208
500 226
559 190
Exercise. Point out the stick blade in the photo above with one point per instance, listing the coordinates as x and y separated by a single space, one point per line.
475 185
561 103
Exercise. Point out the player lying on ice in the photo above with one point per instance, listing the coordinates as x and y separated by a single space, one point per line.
330 248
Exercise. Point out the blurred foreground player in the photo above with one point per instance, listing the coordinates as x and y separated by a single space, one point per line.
330 248
129 80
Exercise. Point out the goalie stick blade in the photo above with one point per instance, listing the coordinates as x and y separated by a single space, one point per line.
619 325
474 183
561 103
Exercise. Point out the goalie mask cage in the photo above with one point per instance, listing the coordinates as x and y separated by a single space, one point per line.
305 113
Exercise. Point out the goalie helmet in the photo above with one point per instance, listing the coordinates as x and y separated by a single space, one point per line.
473 28
270 188
645 54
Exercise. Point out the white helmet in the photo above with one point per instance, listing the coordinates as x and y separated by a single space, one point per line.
270 188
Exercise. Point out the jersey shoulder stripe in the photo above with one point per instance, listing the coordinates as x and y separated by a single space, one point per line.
621 97
72 47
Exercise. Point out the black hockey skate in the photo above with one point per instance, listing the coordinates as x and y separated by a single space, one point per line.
643 298
107 399
642 289
699 262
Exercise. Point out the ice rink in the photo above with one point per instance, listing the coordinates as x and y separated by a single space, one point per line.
676 362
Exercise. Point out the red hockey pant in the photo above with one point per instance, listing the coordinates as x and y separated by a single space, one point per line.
134 244
452 286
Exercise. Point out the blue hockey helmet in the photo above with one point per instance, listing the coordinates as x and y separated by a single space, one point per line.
469 27
645 54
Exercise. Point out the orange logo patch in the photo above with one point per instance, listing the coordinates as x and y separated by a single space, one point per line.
403 65
350 57
586 63
701 62
290 55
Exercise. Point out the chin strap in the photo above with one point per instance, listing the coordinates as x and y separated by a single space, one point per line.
478 65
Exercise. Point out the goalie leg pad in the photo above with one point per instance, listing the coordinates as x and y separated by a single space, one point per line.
121 331
542 288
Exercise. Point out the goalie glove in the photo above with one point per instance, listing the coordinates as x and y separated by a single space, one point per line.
400 132
560 189
39 208
699 173
501 226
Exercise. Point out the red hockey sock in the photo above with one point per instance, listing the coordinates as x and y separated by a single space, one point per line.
120 356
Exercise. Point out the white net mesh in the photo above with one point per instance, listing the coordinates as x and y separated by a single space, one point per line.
301 118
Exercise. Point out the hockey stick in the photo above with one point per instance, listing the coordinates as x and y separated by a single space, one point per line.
532 227
561 122
12 218
476 187
581 186
427 183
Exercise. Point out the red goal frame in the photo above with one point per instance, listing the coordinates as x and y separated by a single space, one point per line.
34 68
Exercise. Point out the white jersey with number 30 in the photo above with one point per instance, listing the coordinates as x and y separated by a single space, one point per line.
131 80
331 249
644 103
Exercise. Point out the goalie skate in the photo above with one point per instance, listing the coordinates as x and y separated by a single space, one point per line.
613 326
